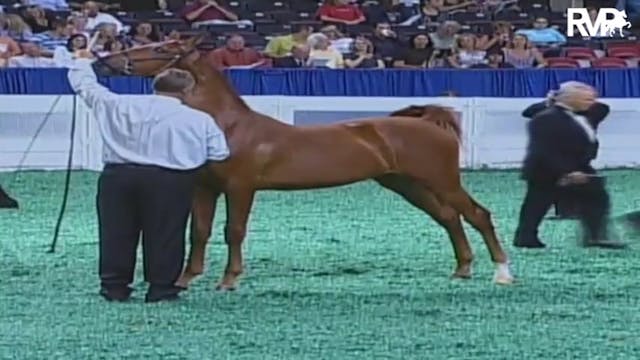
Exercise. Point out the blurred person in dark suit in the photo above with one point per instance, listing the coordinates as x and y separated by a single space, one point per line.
562 144
297 59
6 201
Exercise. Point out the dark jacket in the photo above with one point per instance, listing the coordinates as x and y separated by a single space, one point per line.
287 62
558 145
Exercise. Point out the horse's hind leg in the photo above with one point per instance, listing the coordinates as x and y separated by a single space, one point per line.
446 216
202 212
480 218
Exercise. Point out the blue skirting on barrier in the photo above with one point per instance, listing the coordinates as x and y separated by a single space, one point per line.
621 83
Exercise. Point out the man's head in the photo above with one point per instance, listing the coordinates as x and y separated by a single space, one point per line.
61 28
302 31
540 23
578 96
174 82
235 42
91 9
300 52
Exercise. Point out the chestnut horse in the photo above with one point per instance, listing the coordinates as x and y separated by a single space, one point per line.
414 152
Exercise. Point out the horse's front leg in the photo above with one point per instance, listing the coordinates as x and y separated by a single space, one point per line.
202 212
239 202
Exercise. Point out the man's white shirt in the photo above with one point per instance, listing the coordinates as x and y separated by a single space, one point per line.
146 130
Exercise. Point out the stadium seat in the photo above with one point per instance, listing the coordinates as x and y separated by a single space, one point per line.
469 17
623 52
562 63
265 5
580 53
512 16
609 63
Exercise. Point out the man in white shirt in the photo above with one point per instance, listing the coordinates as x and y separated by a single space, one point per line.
153 146
95 17
51 5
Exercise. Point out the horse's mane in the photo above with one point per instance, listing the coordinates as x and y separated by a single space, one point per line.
442 116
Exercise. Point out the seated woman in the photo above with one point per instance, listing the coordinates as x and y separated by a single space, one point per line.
419 55
340 12
144 33
362 56
322 55
205 12
522 54
467 53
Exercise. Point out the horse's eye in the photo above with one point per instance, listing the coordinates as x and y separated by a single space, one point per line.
160 50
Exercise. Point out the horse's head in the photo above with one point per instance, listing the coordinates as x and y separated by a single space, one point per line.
151 59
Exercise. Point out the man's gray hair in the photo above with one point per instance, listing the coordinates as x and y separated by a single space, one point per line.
571 88
314 40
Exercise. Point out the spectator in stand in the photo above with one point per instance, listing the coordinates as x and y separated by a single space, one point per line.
419 55
91 11
173 35
408 11
467 54
50 40
321 55
444 41
501 38
362 56
31 57
340 12
209 12
78 24
496 61
235 54
106 33
77 42
298 58
39 21
50 5
8 48
144 33
16 28
522 54
385 43
337 39
542 34
452 6
120 43
280 46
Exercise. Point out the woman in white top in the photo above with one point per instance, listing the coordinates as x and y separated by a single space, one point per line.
467 53
322 55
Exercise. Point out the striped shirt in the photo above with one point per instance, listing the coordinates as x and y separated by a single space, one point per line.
48 41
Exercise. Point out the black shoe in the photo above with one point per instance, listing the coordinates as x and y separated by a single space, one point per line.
116 294
530 244
606 244
8 203
163 293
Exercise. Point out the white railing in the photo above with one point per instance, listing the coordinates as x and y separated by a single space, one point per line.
494 131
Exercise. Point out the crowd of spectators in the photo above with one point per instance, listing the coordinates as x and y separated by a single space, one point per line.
303 33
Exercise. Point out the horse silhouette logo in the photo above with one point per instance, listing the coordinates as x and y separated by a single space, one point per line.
607 23
619 22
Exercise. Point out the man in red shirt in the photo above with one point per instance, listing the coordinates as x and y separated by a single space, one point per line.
235 54
209 12
341 12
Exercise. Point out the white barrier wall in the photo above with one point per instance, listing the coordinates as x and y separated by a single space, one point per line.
494 131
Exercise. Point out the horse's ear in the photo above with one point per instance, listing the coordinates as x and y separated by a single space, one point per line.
195 41
410 111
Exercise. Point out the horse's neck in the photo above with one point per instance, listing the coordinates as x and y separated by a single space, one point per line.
218 94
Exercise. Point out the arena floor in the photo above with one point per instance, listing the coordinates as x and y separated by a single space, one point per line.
347 273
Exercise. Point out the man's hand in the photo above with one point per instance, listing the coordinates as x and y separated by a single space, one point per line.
574 178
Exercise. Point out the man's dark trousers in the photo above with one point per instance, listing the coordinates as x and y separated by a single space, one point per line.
155 201
593 210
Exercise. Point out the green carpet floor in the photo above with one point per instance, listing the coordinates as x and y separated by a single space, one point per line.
347 273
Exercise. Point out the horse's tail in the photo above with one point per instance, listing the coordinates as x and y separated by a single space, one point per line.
444 117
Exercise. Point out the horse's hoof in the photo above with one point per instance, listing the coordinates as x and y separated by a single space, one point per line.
504 280
461 276
225 288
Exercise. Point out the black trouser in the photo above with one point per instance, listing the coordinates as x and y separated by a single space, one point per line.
593 208
152 200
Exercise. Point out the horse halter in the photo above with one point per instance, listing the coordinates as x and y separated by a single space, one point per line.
129 63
